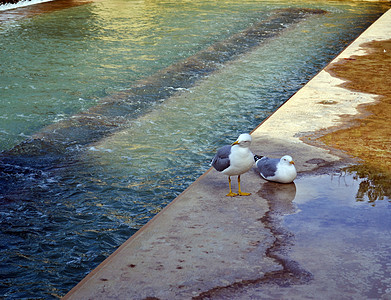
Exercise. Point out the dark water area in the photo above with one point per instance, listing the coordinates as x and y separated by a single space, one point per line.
89 159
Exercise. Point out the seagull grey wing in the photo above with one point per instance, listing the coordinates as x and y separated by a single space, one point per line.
221 160
267 166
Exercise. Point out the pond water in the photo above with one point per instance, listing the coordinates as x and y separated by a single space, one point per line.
70 200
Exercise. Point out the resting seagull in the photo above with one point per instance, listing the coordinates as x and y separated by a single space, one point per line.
276 169
234 160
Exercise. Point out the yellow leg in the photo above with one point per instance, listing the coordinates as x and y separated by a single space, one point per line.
230 194
240 193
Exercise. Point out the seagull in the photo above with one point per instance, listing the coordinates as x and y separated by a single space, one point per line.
234 160
276 169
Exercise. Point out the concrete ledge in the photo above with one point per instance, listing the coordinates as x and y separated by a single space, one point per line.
203 240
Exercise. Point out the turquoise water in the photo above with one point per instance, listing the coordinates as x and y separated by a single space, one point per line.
63 212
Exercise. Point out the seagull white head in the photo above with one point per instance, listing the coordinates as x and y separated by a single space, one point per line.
286 159
244 140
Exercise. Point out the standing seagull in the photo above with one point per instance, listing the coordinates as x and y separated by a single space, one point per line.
276 169
234 160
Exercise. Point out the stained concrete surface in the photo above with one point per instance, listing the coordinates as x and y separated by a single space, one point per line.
368 136
207 246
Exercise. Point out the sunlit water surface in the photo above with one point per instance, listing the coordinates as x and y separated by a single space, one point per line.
64 219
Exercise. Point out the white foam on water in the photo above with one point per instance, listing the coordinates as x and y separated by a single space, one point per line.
21 4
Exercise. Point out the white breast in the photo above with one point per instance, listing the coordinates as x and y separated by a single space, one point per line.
284 174
241 160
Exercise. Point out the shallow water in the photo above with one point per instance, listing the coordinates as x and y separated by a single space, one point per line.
341 235
332 238
64 212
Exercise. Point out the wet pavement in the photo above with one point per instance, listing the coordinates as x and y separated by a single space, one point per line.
332 243
325 236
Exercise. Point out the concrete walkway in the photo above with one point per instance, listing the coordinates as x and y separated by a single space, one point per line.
204 241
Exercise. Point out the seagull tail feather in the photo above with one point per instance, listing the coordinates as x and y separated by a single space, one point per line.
257 157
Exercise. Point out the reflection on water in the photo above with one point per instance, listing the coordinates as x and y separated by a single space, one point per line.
280 196
343 242
337 245
280 199
374 185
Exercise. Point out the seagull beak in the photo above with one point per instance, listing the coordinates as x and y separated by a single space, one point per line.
235 143
292 162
